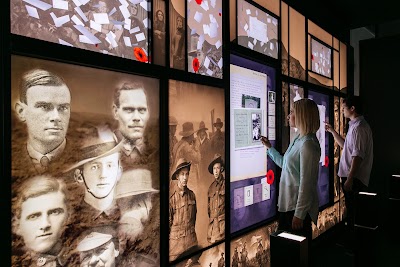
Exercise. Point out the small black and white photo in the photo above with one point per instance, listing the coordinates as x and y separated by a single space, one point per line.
256 125
271 97
249 101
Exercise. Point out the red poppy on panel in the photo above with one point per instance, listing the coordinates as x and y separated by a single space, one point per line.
140 54
270 177
199 2
196 64
326 161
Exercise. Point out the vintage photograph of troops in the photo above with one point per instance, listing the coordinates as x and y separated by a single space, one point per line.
197 165
214 257
253 249
85 166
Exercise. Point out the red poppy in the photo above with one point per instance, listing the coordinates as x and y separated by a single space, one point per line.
326 161
220 14
199 2
270 177
196 64
312 57
140 54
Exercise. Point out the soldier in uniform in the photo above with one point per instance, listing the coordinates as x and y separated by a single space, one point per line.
204 145
216 201
132 112
41 214
98 171
44 106
235 258
99 247
244 257
186 148
218 138
182 212
173 123
221 261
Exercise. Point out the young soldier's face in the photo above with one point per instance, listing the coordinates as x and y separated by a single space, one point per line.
103 256
217 170
183 177
42 221
132 113
47 113
102 174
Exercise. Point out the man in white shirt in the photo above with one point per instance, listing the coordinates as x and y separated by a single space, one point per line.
357 155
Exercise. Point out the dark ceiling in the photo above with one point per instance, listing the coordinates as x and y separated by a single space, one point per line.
340 16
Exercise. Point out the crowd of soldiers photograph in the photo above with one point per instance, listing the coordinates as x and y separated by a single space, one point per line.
84 182
197 182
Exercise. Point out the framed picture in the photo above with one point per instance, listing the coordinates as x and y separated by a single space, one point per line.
252 189
257 28
253 248
214 256
321 58
85 157
197 164
204 31
118 28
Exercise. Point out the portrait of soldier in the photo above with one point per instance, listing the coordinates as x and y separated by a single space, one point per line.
216 201
40 215
203 143
182 212
221 261
186 148
173 123
98 171
218 138
134 194
132 112
44 105
99 246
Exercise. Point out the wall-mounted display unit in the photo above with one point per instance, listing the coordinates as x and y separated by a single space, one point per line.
257 28
204 37
253 248
252 114
320 58
322 101
88 166
118 28
197 165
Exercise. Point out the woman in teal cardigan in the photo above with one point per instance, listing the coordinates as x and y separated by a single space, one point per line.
298 197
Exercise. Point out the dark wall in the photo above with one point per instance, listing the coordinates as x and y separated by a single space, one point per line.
380 91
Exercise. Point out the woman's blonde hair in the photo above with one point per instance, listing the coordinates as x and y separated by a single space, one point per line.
306 116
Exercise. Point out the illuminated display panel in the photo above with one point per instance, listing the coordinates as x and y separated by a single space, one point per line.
321 58
118 28
62 134
253 113
256 245
204 35
257 29
197 135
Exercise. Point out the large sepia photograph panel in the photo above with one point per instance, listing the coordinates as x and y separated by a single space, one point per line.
197 157
85 166
214 256
118 28
253 249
